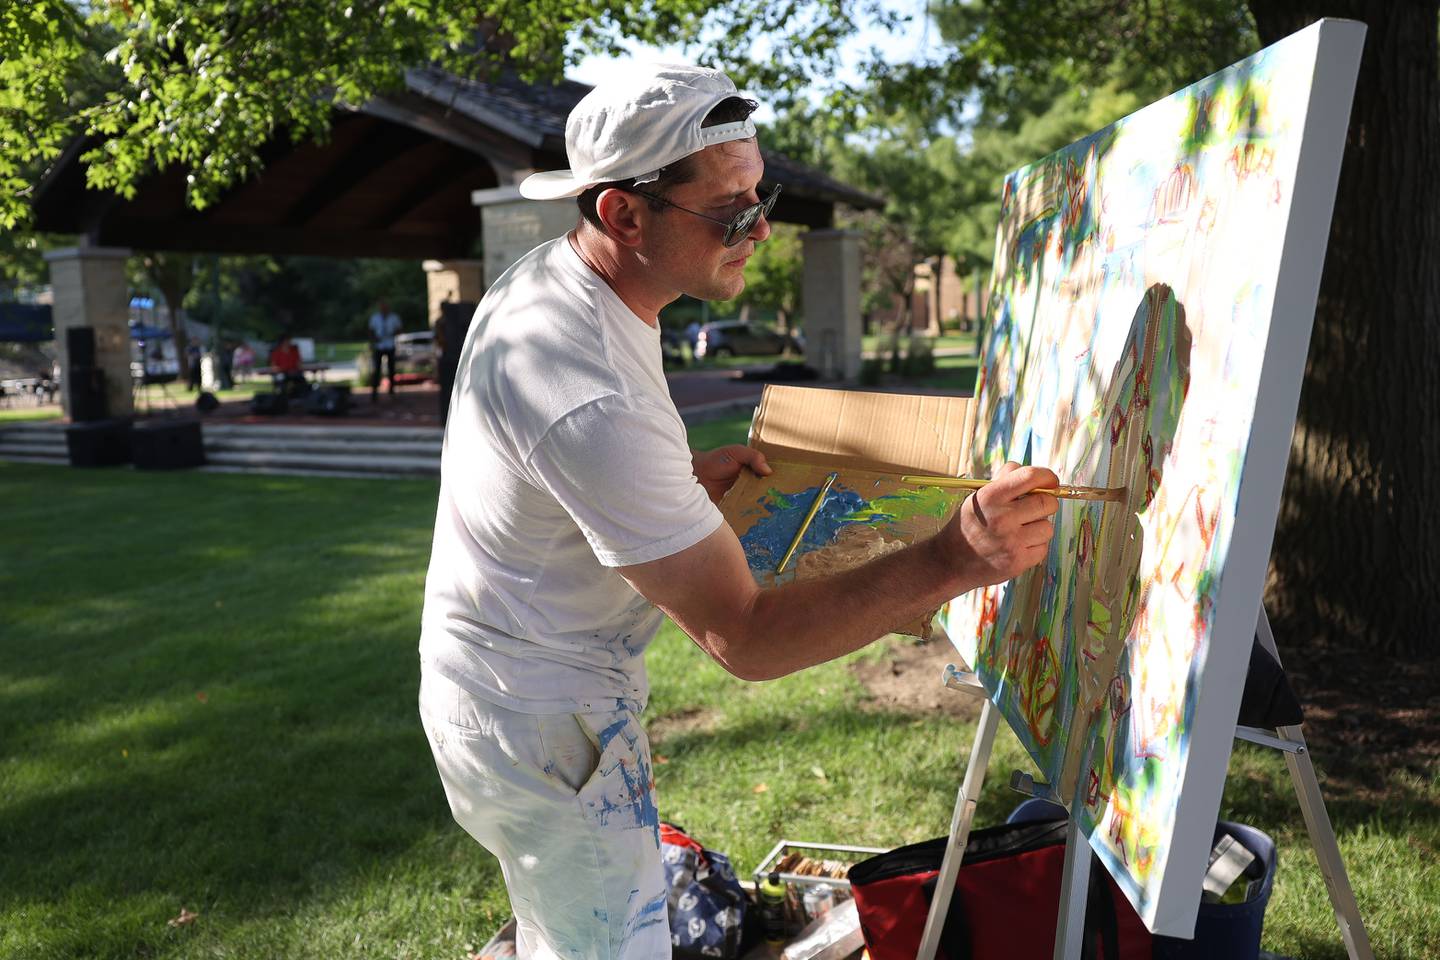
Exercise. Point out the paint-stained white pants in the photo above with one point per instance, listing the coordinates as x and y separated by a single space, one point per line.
566 803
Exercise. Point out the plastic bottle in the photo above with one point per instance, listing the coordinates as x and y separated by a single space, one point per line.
772 908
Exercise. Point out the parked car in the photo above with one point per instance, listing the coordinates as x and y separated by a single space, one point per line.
415 353
731 338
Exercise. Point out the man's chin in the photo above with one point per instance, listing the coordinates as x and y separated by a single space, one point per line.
720 289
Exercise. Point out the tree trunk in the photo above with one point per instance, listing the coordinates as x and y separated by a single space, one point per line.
173 274
1357 548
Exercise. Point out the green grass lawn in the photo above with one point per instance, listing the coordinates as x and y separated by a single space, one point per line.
955 374
160 397
732 363
950 341
719 432
207 698
340 351
26 414
176 393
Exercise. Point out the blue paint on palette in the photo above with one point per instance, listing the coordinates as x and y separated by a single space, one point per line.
767 540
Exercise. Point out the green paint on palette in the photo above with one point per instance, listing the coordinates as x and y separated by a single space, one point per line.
777 500
904 505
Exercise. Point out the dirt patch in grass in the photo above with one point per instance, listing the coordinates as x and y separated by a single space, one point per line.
1367 715
906 679
688 720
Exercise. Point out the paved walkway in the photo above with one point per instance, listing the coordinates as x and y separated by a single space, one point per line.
697 393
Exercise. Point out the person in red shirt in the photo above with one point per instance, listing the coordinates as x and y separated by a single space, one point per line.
289 370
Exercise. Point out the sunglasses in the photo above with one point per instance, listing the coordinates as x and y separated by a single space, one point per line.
738 227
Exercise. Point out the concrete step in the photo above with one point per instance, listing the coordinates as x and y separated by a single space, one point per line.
45 428
337 450
235 443
33 443
336 432
298 472
275 461
10 455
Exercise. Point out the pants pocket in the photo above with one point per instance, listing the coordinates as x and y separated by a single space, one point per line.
568 750
620 794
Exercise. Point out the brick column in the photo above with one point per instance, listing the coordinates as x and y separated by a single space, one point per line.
453 281
832 302
511 226
91 291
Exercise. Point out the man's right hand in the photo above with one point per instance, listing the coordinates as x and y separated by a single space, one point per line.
1001 530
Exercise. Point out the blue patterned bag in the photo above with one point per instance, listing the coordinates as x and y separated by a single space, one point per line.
710 914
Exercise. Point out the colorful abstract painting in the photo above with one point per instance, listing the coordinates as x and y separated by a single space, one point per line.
860 516
1148 318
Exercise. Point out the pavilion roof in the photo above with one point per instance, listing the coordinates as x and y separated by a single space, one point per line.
394 179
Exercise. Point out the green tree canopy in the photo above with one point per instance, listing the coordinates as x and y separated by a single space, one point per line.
202 84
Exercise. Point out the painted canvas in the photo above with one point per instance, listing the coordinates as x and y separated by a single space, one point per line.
1149 314
858 516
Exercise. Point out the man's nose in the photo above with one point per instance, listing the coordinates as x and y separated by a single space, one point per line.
760 231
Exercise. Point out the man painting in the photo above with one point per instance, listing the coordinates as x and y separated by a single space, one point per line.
573 517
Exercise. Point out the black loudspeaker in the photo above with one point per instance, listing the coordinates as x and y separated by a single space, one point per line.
80 346
101 443
167 445
86 387
452 327
207 402
328 401
269 404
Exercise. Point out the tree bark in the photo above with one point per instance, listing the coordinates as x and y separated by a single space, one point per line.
173 274
1357 549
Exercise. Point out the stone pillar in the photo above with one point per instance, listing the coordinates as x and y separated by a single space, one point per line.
453 281
511 226
832 302
91 291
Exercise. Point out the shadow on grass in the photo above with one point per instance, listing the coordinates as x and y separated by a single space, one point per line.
211 685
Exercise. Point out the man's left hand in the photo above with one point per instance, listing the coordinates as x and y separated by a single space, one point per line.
717 469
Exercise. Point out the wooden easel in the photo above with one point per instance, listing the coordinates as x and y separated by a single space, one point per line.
1074 883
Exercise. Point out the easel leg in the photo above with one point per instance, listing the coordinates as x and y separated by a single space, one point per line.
1317 824
1327 850
959 830
1074 889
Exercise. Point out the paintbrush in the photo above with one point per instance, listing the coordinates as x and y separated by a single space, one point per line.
805 525
1065 491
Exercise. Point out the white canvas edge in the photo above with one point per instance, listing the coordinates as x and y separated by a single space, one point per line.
1327 118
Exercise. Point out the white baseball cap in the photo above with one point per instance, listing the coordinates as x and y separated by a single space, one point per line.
637 123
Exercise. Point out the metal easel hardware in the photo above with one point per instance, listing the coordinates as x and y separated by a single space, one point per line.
1022 782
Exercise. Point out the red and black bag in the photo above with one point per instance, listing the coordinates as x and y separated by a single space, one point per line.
1006 902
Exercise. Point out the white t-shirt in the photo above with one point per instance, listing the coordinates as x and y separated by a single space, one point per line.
385 326
564 457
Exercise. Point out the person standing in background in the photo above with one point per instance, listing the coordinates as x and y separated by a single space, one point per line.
243 361
383 326
193 353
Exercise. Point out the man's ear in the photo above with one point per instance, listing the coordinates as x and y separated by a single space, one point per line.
621 214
